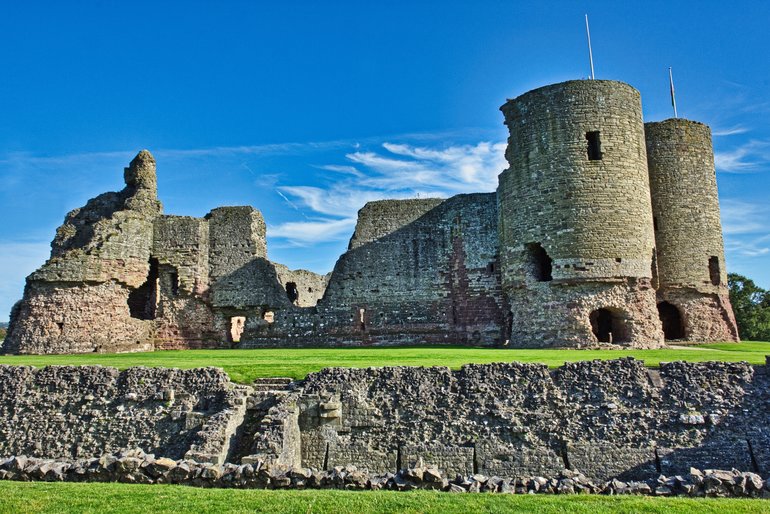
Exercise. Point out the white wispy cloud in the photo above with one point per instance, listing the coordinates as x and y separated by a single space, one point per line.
740 217
750 157
397 171
304 233
730 131
746 229
747 248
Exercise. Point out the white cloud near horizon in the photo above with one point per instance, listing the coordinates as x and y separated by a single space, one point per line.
398 171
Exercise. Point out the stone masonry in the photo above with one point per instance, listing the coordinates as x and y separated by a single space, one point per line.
603 231
607 420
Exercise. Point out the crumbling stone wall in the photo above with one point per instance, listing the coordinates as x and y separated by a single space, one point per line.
606 419
689 248
303 288
78 301
435 279
383 217
68 411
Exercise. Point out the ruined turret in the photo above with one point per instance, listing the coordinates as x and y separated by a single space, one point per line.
93 293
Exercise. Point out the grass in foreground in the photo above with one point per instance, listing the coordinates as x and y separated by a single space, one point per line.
245 365
68 497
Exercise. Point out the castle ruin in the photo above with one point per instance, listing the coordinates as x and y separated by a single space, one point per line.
604 230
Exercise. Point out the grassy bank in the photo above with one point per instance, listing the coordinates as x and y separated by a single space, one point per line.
69 497
246 365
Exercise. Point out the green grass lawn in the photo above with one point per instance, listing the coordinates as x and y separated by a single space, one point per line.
246 365
76 497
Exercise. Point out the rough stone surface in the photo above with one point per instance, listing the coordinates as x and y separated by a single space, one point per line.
563 254
443 287
136 466
599 426
608 419
74 412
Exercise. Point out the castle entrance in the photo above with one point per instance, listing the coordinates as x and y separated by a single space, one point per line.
671 319
608 326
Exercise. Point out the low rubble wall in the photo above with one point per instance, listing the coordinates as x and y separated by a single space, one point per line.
605 421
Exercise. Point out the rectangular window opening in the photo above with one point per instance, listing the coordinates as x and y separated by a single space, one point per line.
714 271
594 146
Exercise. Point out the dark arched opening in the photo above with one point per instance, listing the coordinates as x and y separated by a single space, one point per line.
143 301
540 263
292 292
608 326
671 319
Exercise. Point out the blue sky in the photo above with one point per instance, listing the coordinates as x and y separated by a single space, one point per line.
306 110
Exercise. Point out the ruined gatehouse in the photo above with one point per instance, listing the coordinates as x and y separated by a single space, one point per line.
603 230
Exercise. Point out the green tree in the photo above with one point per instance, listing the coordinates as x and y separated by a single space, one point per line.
751 305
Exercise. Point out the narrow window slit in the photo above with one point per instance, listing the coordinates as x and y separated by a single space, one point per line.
594 146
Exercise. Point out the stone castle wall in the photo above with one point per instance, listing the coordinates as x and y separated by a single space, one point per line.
434 279
592 217
611 419
80 299
564 254
383 217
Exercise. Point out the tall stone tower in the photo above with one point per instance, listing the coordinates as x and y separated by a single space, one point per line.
575 220
692 281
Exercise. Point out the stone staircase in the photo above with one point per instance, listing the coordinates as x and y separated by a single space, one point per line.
259 434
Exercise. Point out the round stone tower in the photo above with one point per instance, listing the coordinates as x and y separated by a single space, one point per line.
692 281
575 220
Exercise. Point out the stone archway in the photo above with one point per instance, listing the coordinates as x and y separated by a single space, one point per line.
671 319
609 325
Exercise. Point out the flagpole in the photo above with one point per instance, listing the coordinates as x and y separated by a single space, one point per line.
673 98
590 52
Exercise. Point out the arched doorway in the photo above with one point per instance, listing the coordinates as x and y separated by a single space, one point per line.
609 326
539 262
671 319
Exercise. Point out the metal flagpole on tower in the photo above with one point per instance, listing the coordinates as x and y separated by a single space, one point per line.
673 98
590 52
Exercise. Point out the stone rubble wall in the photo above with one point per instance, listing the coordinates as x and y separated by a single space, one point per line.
137 467
609 427
75 412
608 419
